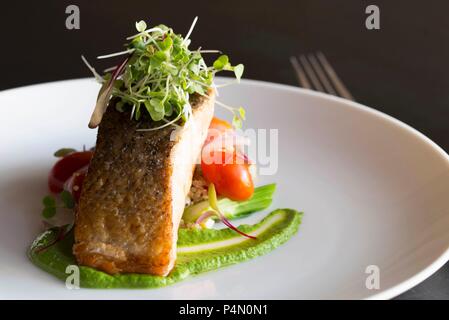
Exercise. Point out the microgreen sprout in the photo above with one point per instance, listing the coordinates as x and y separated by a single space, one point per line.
215 211
61 153
238 114
158 77
51 205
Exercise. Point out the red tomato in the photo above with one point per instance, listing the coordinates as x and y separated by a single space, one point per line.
65 167
77 183
217 126
220 124
230 174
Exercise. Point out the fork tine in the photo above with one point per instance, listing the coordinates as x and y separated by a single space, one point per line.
302 79
321 75
309 71
336 81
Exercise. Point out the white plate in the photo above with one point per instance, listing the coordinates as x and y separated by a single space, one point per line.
373 190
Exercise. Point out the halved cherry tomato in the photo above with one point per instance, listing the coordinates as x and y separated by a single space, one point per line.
220 124
230 174
217 127
65 167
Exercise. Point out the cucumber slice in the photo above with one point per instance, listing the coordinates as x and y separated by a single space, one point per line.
261 199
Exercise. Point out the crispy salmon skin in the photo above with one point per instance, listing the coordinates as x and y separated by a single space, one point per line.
134 193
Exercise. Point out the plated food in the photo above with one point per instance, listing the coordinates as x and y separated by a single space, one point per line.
363 203
139 220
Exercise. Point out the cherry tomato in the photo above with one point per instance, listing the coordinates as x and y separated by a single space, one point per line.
217 126
230 174
220 124
65 167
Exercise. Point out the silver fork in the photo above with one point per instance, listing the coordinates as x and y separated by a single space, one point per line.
316 73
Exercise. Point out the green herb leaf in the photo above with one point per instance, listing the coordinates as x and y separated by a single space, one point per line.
168 109
48 212
157 105
119 106
162 55
63 152
141 26
237 122
221 62
162 73
67 199
48 201
242 113
238 71
167 43
155 108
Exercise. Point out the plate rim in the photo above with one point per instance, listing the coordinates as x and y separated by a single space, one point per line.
392 291
433 267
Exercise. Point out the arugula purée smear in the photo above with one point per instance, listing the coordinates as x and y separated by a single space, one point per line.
198 251
154 82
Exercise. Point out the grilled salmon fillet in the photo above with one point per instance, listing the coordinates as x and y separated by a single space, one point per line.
134 194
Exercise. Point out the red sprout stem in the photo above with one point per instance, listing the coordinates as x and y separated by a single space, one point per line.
231 226
225 221
117 72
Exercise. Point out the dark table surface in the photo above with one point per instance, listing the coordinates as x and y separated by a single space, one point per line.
401 69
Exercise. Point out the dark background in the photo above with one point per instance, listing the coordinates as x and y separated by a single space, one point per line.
401 69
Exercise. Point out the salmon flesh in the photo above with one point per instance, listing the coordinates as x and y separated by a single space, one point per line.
134 194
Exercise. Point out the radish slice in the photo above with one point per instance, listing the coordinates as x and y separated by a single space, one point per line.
104 96
206 215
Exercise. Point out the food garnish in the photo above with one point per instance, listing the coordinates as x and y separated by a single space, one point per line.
61 153
159 75
132 227
51 205
216 210
261 199
64 168
199 251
